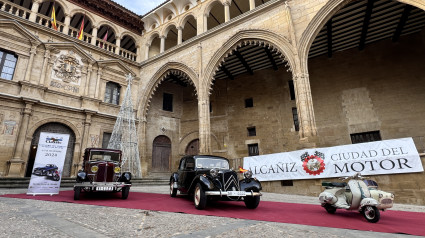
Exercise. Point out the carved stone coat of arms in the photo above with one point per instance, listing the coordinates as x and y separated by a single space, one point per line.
68 68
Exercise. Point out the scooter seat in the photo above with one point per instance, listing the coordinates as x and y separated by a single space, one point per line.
334 184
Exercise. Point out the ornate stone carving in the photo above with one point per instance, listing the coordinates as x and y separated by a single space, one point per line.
68 68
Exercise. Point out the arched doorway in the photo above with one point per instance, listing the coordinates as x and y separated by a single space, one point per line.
161 154
54 128
192 148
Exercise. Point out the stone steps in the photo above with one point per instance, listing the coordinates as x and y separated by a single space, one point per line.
69 182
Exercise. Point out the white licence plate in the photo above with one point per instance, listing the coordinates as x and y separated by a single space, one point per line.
236 193
104 188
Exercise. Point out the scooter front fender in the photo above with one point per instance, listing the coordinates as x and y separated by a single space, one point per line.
368 202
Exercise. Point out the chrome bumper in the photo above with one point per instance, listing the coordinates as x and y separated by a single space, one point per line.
224 193
100 184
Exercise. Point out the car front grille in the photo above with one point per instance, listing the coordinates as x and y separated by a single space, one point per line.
105 172
230 181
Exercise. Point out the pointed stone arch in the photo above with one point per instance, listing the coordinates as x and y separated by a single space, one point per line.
320 19
258 37
159 76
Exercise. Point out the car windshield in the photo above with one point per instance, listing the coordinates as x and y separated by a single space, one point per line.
105 156
210 163
371 183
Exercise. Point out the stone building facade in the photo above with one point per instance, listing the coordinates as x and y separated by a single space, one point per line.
229 78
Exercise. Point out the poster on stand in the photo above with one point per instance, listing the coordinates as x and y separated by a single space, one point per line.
48 165
372 158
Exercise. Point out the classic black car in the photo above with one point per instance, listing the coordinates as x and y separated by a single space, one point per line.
209 177
50 170
102 172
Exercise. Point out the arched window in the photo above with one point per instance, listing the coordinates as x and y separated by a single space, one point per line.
112 93
7 64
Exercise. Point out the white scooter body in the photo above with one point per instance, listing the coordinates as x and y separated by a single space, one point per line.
356 195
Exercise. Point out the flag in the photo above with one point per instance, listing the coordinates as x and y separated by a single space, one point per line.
81 32
53 18
242 170
104 39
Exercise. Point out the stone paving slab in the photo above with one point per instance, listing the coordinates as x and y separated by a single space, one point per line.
31 218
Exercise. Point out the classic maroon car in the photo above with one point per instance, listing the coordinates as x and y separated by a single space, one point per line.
102 172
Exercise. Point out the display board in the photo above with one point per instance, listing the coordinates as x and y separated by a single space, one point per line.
48 165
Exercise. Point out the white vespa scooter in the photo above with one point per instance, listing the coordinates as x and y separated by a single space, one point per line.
358 194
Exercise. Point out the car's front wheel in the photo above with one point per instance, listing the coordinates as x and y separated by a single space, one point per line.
329 208
199 197
125 191
77 191
252 202
173 190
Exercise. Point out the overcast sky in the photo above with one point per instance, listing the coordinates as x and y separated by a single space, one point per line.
139 6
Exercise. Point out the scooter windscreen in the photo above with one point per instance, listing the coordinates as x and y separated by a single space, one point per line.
371 183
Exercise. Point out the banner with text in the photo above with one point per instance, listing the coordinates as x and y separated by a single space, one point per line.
372 158
48 165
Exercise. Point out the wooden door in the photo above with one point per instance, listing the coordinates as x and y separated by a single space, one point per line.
192 148
161 154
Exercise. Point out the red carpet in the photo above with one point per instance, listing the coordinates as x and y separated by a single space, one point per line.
412 223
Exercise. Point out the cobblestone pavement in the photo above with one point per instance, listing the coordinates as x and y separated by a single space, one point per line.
32 218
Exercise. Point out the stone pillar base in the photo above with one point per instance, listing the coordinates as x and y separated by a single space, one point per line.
15 167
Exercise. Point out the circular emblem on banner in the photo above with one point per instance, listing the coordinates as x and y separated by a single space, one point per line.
314 165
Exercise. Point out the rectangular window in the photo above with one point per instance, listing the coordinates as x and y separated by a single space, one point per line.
291 89
210 107
249 102
365 137
253 149
7 64
167 103
295 117
112 93
251 131
105 139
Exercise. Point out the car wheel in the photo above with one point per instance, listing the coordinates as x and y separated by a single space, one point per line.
199 197
56 177
173 190
371 213
43 172
125 191
252 202
330 209
77 191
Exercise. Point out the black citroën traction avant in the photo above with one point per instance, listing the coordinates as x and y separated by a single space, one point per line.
210 177
101 172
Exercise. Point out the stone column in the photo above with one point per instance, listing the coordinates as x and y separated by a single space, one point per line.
86 132
67 22
44 68
143 145
138 57
201 23
34 10
33 51
86 88
94 34
251 4
226 11
179 35
147 51
97 87
118 45
162 44
205 23
304 105
204 122
15 164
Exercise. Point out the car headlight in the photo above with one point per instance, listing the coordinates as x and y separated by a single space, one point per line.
94 169
214 172
381 195
248 174
117 170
